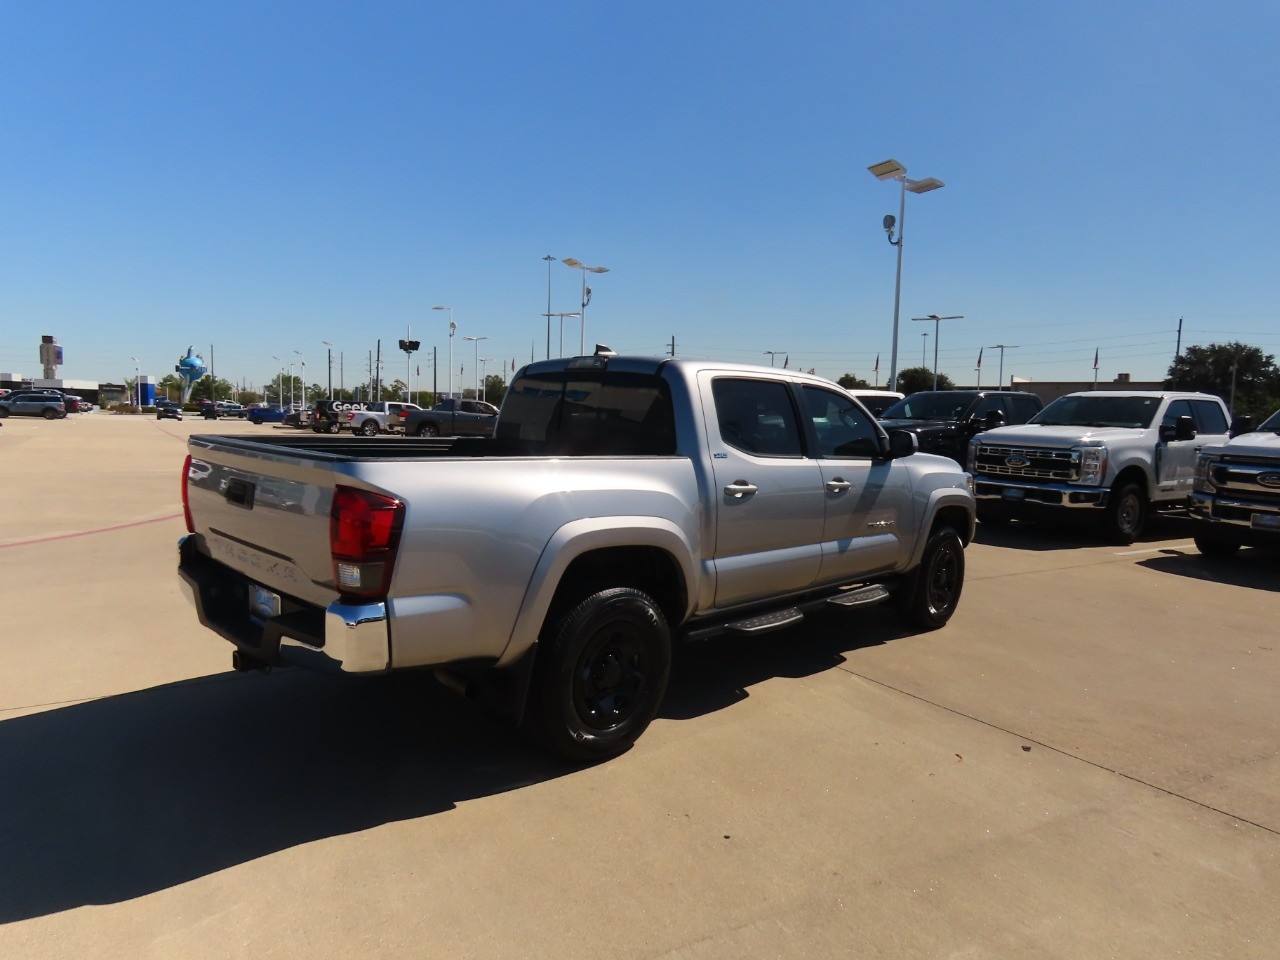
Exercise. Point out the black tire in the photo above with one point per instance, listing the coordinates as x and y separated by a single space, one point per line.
1215 549
4 412
256 421
1125 514
600 675
933 591
995 516
428 430
49 413
334 426
369 428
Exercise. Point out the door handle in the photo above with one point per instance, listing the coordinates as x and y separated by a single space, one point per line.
838 485
739 489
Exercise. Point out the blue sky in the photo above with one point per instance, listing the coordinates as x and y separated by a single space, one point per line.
260 177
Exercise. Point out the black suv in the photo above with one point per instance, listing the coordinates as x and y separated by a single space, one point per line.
944 421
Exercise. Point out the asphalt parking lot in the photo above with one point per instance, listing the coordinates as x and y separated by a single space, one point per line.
1082 764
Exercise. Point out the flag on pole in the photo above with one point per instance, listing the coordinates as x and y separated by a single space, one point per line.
786 362
877 363
1095 358
513 364
980 349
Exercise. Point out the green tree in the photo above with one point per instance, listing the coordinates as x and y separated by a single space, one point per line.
915 379
495 388
850 382
1242 375
207 388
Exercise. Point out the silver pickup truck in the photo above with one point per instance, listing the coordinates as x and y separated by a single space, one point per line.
1236 498
623 504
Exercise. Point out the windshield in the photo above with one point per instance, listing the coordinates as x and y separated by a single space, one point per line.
930 405
1136 412
1272 423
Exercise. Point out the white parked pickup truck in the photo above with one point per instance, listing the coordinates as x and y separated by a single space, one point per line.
623 504
1237 490
1113 454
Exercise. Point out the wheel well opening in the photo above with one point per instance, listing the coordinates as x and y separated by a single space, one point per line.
957 518
1131 475
651 570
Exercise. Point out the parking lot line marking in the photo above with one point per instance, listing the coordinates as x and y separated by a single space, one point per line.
88 533
1167 546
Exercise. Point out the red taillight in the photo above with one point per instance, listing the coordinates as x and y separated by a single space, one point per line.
186 503
364 534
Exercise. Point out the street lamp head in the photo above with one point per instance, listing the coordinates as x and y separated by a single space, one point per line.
571 262
887 170
442 308
925 185
326 343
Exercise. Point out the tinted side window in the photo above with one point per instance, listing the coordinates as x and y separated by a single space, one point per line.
1021 409
1179 408
988 404
756 416
841 427
1209 417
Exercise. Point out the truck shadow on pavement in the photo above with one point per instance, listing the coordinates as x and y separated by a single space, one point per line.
1072 533
1254 568
113 799
715 674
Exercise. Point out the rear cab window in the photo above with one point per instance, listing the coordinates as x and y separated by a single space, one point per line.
589 412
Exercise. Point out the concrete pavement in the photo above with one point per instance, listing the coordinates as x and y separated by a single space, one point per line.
1082 764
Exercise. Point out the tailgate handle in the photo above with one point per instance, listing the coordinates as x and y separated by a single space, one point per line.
240 493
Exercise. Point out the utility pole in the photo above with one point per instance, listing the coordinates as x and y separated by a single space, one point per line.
673 345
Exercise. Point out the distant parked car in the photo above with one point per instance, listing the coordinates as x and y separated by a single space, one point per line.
297 418
168 410
262 415
33 403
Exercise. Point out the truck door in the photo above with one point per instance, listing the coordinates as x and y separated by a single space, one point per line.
867 500
1178 457
768 497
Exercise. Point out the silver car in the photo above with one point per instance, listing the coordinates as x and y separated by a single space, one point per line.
31 403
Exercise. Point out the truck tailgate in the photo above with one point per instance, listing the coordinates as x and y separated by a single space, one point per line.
265 514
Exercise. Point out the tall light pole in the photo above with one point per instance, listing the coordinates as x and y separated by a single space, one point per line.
936 320
1002 347
302 360
408 346
562 316
924 345
290 383
893 170
453 328
483 361
477 340
550 260
330 348
772 354
279 381
586 296
137 387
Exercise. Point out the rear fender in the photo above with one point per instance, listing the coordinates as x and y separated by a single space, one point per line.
583 536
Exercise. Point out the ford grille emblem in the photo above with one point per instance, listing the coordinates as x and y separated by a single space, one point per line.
1017 462
1269 479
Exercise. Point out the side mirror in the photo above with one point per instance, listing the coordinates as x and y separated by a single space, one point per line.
1241 425
993 419
1184 428
902 443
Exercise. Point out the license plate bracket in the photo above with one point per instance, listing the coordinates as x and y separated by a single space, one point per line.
1265 521
1013 493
